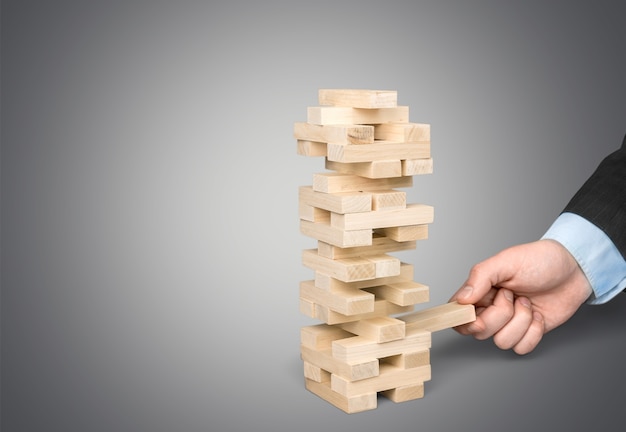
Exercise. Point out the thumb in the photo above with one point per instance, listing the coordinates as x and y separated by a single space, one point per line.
483 276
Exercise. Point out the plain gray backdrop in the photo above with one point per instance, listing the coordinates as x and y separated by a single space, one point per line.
150 240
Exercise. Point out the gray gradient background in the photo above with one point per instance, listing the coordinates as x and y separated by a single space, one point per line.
150 241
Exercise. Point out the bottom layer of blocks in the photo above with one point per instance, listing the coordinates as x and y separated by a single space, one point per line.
350 371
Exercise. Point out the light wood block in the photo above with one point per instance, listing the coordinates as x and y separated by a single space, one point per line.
411 167
381 308
388 200
379 151
315 373
350 405
358 98
339 202
380 245
386 265
329 283
374 169
335 236
379 329
405 233
313 214
307 307
402 132
350 371
346 269
359 348
440 317
413 214
405 393
338 134
311 148
347 301
389 377
320 336
409 360
404 293
332 182
327 115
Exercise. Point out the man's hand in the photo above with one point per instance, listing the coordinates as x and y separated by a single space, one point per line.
522 293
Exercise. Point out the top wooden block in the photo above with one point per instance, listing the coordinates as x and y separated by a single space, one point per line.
356 98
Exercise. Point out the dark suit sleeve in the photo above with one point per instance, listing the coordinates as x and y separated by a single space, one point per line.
602 198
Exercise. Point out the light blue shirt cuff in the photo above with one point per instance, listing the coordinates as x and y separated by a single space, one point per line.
594 251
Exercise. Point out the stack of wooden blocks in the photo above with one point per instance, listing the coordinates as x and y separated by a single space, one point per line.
369 342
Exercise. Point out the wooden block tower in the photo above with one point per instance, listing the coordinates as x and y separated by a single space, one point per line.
369 342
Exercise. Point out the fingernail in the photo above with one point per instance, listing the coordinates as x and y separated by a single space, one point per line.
525 302
472 328
466 292
508 295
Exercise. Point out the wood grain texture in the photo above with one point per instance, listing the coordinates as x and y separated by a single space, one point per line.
350 405
413 214
380 245
359 348
338 202
402 132
389 377
338 134
336 236
440 317
327 282
328 115
379 329
379 151
347 301
358 98
333 182
373 169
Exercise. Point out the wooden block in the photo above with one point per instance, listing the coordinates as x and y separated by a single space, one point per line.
347 301
307 307
413 214
315 373
335 236
321 336
402 132
380 245
381 308
329 283
333 182
405 393
405 233
401 293
359 348
374 169
379 329
313 214
388 200
379 151
385 265
358 98
327 115
338 134
389 377
409 360
346 269
440 317
412 167
311 148
350 371
350 405
339 202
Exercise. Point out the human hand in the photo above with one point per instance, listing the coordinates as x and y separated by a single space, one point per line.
523 292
